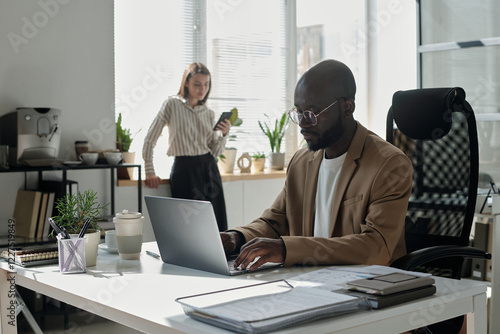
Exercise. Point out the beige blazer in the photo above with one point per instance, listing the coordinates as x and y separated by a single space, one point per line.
368 212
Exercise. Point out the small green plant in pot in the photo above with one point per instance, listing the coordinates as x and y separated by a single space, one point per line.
73 210
258 155
275 131
123 136
258 161
228 157
124 139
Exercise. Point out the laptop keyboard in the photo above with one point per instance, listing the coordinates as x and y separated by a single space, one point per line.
230 264
232 269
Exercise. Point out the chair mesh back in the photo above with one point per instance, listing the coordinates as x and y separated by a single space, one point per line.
440 179
441 206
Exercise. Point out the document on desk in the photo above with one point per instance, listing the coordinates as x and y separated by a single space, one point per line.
267 306
335 278
290 302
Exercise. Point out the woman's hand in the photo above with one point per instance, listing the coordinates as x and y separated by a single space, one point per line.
224 127
152 181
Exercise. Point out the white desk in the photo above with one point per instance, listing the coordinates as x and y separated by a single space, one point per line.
141 294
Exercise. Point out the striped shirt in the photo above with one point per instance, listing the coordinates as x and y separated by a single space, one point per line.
190 131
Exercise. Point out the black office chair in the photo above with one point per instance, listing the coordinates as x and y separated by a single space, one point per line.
436 129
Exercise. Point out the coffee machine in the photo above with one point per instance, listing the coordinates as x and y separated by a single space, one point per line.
33 136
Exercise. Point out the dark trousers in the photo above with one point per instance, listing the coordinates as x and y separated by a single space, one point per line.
198 178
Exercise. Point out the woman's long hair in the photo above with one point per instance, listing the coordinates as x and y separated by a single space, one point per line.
192 69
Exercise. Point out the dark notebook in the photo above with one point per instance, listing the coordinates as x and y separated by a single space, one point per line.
378 301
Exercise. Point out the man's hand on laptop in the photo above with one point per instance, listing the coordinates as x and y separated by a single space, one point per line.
258 251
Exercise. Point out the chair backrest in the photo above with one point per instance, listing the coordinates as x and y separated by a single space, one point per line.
436 128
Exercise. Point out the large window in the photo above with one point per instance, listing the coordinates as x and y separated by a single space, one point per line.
256 50
345 37
156 40
375 38
460 46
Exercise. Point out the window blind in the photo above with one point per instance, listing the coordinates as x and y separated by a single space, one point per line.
155 40
246 45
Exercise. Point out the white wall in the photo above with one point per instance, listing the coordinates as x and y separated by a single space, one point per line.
59 53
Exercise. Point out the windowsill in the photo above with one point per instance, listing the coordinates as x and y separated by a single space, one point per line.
236 176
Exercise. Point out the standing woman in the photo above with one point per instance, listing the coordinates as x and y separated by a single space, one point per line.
193 142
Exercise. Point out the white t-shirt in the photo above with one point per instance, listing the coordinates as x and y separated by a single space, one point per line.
327 181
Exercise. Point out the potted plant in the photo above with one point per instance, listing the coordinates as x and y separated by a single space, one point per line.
123 136
275 133
73 210
123 141
227 159
258 161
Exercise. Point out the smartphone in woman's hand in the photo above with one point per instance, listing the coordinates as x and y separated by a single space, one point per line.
224 116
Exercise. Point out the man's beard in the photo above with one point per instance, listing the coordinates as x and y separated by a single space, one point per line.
330 137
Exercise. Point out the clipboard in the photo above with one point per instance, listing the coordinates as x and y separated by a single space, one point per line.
268 306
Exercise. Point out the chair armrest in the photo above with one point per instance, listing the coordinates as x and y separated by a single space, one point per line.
425 255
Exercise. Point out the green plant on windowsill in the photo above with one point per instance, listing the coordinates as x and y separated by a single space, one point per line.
275 132
74 209
233 134
258 161
258 155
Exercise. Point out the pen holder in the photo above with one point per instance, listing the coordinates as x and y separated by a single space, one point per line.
71 255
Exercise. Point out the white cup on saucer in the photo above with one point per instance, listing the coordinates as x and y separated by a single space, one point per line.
110 240
89 158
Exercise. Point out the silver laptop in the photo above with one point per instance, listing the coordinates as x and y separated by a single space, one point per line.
187 235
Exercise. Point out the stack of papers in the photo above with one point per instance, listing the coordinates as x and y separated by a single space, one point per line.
273 305
266 307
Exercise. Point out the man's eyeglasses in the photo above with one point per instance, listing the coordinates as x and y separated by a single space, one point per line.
308 115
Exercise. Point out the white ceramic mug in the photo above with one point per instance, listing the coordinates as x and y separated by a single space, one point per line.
113 158
128 227
89 158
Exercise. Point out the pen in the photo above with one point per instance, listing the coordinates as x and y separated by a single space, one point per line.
153 254
495 191
85 227
485 200
58 230
64 233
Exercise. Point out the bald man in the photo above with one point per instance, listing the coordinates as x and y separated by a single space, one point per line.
345 196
